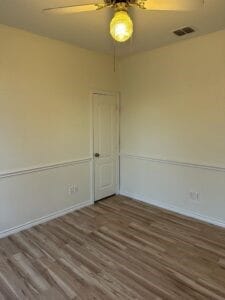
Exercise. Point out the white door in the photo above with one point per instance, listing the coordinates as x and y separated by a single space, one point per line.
106 144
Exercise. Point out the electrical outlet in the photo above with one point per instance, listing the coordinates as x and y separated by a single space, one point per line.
194 196
72 189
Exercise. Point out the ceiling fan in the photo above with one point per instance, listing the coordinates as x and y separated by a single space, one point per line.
121 26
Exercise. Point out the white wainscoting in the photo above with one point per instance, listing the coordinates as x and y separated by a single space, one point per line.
32 196
167 184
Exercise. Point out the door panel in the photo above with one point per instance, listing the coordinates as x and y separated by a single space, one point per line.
106 144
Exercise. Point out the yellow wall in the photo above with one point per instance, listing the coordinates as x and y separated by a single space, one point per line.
173 127
44 98
45 119
172 114
173 101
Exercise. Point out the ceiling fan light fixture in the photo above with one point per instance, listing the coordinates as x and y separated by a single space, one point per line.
121 26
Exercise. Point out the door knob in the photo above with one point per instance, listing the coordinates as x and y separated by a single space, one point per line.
97 154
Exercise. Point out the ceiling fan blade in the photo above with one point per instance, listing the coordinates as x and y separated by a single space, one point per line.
181 5
73 9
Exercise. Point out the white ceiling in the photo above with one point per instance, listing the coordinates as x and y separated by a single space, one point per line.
90 30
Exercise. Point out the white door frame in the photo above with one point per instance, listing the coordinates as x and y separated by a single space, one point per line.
92 175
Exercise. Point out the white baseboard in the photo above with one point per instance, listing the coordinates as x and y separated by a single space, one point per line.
188 213
44 219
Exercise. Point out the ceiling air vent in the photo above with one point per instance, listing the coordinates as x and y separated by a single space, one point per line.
183 31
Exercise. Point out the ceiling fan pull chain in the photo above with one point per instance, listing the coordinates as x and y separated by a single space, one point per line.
131 43
114 58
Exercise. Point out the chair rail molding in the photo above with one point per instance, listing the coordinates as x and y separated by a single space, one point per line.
173 162
45 167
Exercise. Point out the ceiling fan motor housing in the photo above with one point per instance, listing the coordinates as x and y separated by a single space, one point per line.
114 2
124 4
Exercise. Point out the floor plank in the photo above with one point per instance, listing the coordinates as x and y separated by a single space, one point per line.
116 249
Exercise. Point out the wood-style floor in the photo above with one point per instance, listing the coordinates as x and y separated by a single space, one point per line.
115 249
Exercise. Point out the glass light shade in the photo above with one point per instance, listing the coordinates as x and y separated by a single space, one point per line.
121 26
